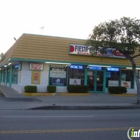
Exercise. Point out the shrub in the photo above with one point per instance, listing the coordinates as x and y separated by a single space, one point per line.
51 89
117 89
77 89
30 88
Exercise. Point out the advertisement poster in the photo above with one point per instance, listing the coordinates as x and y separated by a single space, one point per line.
113 83
58 74
126 84
35 77
75 81
58 81
58 71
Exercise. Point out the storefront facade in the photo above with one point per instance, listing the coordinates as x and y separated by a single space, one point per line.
44 60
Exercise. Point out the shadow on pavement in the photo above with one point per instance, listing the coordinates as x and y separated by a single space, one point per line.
2 95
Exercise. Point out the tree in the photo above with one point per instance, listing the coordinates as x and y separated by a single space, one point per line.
122 35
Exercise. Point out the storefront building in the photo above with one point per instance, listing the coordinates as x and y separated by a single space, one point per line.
47 60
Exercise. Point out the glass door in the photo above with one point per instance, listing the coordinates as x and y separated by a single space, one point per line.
91 80
95 81
99 80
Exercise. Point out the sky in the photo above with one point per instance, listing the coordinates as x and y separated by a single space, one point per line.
64 18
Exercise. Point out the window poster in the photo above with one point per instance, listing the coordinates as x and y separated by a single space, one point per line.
58 71
35 77
58 81
126 84
113 83
75 81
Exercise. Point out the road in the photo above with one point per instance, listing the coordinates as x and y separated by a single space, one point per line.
67 124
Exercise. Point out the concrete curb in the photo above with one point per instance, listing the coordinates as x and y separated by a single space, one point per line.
84 107
55 94
125 95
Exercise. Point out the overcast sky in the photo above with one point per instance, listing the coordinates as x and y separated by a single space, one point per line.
65 18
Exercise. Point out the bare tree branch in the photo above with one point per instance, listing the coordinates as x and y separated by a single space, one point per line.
136 56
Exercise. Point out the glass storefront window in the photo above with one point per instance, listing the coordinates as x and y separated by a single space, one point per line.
127 78
4 75
15 76
8 74
139 73
112 78
120 78
57 75
77 74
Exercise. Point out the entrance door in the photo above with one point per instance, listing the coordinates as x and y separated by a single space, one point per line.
99 80
95 81
90 82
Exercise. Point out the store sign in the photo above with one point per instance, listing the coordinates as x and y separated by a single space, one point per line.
36 66
79 49
110 52
59 66
113 83
85 50
75 81
18 66
126 84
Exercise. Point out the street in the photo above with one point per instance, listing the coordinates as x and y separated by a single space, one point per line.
67 125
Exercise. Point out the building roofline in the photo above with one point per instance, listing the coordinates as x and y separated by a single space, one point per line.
53 36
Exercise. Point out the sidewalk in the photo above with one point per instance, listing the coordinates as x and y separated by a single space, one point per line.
14 100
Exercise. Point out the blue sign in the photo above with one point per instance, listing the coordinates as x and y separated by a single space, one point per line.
95 68
112 69
58 81
76 67
16 66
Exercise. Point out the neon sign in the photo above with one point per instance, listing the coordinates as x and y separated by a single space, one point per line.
112 69
76 67
94 68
